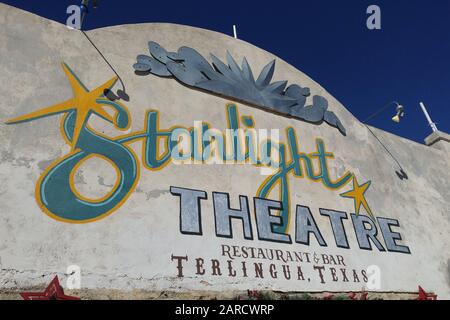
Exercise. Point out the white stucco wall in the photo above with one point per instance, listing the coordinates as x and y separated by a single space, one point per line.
132 247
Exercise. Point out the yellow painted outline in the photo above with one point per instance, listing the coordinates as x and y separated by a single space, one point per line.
53 216
78 165
54 164
280 195
159 156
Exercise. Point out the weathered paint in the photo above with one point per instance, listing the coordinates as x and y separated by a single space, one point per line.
140 241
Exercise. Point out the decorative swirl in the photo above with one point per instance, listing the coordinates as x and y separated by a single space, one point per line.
55 189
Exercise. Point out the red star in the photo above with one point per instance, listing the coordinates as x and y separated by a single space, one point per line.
426 296
54 291
354 296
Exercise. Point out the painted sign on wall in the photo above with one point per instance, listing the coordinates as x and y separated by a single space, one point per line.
219 174
57 196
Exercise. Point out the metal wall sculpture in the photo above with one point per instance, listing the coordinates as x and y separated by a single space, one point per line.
192 69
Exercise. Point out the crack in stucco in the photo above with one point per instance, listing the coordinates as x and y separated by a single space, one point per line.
101 181
79 178
153 194
8 156
35 274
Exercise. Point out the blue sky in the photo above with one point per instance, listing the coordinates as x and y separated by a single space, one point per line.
408 60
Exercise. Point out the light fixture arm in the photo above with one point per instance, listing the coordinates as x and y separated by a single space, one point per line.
84 10
384 147
121 94
381 110
402 174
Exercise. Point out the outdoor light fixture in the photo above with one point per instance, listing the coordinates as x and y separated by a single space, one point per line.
400 114
121 93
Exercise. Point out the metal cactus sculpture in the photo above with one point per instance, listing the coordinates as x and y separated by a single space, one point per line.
236 82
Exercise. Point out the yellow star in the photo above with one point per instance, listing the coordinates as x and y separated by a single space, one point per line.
358 196
84 102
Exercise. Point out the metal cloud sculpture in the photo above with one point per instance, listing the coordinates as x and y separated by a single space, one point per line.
235 82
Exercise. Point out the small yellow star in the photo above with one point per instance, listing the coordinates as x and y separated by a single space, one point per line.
84 102
357 194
